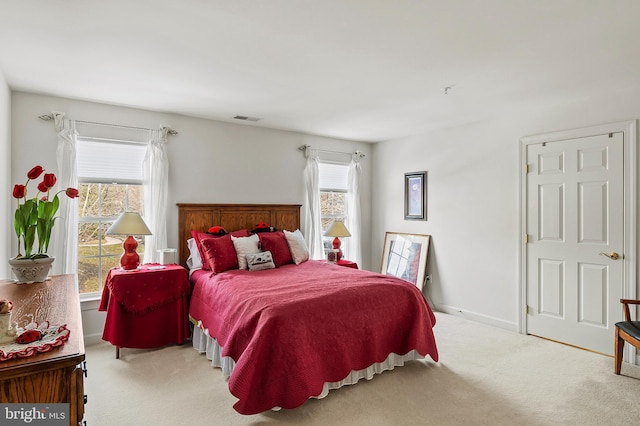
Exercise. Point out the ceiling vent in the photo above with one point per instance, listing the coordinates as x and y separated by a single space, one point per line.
245 118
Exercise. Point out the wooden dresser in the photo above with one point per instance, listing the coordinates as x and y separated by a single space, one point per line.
55 376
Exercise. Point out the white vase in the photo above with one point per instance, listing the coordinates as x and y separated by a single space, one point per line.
29 271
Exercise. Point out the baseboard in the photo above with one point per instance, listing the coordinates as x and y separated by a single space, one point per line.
474 316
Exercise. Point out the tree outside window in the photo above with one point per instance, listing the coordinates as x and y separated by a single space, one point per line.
334 183
100 205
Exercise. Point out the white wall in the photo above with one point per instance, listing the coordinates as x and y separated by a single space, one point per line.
6 187
473 209
210 161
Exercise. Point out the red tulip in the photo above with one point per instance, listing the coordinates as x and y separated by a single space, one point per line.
35 218
72 193
35 172
19 191
49 180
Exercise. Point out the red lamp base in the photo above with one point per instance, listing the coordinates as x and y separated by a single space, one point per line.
130 259
336 246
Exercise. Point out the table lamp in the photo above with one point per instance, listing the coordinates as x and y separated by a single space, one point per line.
129 223
337 230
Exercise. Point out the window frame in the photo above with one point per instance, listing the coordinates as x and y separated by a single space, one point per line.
104 221
326 241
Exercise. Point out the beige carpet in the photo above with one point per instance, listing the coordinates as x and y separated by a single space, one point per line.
486 376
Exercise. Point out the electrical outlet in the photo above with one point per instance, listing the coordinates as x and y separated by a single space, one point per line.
428 278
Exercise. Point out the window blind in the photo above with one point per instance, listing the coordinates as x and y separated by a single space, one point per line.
333 177
109 162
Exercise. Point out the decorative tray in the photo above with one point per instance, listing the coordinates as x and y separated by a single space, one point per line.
53 336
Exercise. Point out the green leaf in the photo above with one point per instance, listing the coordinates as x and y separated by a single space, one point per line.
24 211
56 204
18 223
29 238
42 232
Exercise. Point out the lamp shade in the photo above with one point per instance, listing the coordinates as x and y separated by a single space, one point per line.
337 229
129 223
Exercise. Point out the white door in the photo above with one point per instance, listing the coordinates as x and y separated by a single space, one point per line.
575 231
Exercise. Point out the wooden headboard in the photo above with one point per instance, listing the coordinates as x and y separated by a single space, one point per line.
232 217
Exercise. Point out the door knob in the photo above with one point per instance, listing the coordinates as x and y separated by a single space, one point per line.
613 255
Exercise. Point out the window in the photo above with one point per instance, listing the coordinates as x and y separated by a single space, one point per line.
110 183
334 184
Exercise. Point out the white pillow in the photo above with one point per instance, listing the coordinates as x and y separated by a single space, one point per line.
260 261
245 246
297 246
194 261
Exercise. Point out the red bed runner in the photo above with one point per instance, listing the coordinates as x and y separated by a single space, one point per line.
293 328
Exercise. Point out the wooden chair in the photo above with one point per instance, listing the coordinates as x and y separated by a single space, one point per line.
626 331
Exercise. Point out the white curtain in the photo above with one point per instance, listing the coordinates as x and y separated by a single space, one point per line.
155 179
312 222
353 243
64 241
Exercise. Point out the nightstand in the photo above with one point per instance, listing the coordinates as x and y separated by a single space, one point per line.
146 307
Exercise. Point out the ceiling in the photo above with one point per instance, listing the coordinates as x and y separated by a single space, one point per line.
366 70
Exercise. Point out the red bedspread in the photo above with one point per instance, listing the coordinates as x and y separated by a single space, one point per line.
293 328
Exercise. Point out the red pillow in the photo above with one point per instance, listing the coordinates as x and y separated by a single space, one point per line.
276 243
220 253
199 236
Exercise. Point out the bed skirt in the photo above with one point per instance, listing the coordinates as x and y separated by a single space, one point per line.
203 343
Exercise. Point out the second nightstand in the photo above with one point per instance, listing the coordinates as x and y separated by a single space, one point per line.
146 307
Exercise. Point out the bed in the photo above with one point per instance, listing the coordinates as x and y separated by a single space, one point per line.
289 333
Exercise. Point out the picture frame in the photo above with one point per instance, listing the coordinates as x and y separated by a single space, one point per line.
415 196
405 256
332 256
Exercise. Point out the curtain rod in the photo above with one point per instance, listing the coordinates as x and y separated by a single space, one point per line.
49 117
358 153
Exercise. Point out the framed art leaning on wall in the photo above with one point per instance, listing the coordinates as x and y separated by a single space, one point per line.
415 196
405 256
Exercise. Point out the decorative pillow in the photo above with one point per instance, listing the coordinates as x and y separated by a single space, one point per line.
245 246
194 261
200 236
260 261
297 246
276 243
220 253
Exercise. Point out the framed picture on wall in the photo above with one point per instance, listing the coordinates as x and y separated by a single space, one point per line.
415 196
405 256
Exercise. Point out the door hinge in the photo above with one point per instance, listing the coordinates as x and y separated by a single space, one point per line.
526 168
526 309
526 238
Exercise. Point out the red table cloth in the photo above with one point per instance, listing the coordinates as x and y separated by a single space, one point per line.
146 308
